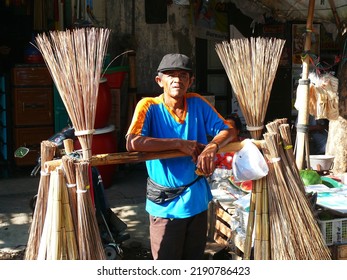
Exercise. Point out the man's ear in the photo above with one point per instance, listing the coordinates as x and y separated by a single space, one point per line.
158 80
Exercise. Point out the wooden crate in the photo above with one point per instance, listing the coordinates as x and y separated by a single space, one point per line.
219 224
338 252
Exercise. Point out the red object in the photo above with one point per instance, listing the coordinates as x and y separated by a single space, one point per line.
115 79
224 160
104 142
33 58
104 105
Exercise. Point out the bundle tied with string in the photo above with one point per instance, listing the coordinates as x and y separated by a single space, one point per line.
48 150
294 232
251 65
75 59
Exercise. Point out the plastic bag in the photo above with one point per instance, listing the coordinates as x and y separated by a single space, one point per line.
249 163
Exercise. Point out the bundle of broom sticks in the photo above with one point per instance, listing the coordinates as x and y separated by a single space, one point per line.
75 60
294 232
284 221
48 150
285 226
68 232
251 65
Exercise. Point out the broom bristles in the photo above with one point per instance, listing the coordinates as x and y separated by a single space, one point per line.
75 59
295 234
251 66
89 240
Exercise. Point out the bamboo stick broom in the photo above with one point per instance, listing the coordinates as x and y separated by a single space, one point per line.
251 66
303 234
89 240
277 218
48 150
285 132
291 173
74 59
311 225
285 237
51 247
57 215
44 252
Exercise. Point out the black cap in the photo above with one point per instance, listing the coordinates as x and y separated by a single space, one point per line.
175 61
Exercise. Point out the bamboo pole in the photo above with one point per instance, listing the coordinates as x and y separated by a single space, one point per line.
336 16
258 185
135 157
265 235
70 174
70 241
44 246
303 91
249 229
56 233
48 150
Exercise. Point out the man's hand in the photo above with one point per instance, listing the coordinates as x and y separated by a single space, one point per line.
192 148
206 160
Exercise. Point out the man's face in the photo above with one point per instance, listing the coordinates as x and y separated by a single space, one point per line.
174 82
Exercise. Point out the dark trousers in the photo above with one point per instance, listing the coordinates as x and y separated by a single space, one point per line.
178 239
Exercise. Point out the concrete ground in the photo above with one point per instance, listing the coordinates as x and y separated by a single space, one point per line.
126 198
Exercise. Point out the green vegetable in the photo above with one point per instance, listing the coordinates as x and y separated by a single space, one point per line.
310 177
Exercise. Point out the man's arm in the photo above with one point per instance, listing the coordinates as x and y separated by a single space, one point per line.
150 144
206 160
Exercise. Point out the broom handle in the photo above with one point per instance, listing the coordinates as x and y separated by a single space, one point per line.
135 157
69 146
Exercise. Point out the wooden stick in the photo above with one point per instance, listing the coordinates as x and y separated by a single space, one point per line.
258 217
68 223
48 150
250 227
135 157
265 236
303 111
68 146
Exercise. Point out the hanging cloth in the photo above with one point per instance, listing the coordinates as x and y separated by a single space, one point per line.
323 97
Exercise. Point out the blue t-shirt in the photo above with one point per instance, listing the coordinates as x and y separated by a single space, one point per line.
154 119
